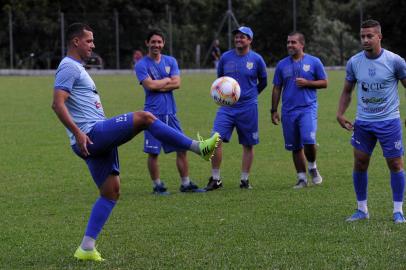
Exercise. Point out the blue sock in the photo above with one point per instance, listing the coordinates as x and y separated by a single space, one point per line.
168 135
360 180
397 182
98 217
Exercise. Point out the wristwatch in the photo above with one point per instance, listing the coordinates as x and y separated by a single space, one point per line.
273 110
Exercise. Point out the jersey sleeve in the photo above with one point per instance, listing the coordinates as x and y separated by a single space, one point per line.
65 77
277 77
220 68
141 71
350 75
400 68
261 68
320 71
174 68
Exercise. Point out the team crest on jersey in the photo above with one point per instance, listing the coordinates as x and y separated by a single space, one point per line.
398 145
306 68
250 65
371 72
167 69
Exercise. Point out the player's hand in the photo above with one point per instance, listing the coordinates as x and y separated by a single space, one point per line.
275 118
344 123
301 82
82 140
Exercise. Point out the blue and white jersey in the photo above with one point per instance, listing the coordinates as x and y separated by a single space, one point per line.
377 84
158 102
245 69
83 103
295 97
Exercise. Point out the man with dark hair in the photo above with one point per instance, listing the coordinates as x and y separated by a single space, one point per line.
376 72
297 78
95 138
153 72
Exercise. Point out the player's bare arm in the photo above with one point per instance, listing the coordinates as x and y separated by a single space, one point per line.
173 84
343 104
59 107
318 84
276 95
155 85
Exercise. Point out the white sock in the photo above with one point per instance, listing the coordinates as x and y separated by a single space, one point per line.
244 176
215 173
194 147
363 206
398 207
88 243
157 182
312 165
301 176
185 181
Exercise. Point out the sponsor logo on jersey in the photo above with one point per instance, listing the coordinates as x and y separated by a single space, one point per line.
372 87
250 65
374 100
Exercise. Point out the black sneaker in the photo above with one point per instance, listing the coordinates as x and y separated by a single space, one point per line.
160 189
192 187
213 184
245 184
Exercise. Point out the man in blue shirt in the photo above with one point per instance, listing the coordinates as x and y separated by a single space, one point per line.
376 73
249 70
297 78
151 72
95 138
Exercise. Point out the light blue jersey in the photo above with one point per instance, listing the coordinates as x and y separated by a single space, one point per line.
83 103
377 84
158 103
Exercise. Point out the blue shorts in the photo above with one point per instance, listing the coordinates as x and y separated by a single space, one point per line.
388 132
244 120
106 136
153 145
299 128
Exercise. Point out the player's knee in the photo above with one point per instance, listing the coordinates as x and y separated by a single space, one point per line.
143 118
396 165
361 165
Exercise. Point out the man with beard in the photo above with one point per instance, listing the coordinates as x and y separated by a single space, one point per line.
297 78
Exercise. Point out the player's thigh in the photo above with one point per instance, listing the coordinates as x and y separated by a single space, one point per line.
246 122
308 127
363 137
224 124
103 165
291 132
389 134
172 121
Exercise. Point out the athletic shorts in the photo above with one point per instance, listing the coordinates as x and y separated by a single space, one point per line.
299 128
388 133
153 145
244 120
106 136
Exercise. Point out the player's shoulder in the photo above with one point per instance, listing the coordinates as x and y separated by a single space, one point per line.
283 61
391 55
229 53
69 65
312 57
357 57
169 58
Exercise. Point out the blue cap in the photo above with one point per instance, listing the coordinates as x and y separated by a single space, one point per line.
245 30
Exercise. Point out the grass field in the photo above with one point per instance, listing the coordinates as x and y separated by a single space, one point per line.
46 193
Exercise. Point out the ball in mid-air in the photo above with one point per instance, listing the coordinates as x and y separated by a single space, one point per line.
225 91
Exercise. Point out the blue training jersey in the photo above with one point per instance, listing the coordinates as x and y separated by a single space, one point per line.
293 96
157 102
83 103
245 69
377 84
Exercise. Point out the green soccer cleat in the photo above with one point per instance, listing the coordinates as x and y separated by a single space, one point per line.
208 146
88 255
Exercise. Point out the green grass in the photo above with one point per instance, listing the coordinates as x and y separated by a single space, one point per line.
46 193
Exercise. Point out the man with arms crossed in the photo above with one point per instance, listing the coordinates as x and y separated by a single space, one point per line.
298 77
95 138
376 72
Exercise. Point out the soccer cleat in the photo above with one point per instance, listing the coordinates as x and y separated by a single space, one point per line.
302 183
213 184
358 215
192 187
88 255
208 146
316 177
245 184
160 189
398 218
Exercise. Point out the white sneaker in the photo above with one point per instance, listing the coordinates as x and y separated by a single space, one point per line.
302 183
316 177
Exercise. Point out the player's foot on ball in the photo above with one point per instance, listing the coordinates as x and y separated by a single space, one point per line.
208 146
358 215
88 255
213 184
160 189
192 187
302 183
316 177
398 218
245 184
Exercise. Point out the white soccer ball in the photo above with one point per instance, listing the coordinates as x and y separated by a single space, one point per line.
225 91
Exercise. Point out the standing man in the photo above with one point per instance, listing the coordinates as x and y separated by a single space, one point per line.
216 53
297 77
95 138
248 68
153 71
376 72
